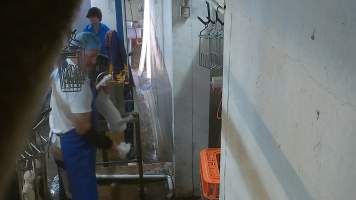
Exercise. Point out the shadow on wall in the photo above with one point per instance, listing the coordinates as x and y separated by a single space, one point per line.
286 175
183 135
189 117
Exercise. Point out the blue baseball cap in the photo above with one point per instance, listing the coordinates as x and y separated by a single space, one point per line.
88 40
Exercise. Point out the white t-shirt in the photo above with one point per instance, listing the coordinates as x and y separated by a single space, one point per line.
75 102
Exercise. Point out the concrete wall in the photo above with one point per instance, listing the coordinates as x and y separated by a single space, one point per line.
191 102
176 39
289 111
80 19
134 10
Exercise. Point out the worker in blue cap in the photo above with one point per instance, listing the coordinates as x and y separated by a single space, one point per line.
72 118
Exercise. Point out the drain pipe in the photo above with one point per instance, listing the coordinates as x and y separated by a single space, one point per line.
123 178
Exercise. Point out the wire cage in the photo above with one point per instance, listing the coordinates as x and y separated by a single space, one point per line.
216 44
34 164
204 48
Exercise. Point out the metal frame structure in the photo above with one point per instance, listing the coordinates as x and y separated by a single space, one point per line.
139 178
33 158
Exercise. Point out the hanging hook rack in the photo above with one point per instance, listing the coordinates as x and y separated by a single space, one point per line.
211 38
218 9
207 17
217 16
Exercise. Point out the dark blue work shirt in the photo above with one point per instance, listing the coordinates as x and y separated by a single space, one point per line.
101 35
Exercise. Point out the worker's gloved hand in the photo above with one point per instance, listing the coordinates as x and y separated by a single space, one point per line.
105 81
100 141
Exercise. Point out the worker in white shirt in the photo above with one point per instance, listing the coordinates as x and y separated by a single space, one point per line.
71 119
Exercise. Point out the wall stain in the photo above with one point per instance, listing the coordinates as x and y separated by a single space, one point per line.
317 114
313 35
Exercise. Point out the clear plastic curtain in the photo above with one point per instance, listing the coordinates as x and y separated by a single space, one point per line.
145 61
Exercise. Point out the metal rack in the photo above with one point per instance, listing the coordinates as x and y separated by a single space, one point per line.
33 160
211 40
139 178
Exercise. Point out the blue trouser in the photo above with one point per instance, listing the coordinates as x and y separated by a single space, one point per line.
79 163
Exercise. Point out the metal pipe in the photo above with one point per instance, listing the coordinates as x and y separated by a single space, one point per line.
136 178
115 163
139 154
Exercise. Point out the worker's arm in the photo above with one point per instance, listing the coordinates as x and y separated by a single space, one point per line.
80 105
82 123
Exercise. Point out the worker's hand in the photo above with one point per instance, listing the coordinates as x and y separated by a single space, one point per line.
104 82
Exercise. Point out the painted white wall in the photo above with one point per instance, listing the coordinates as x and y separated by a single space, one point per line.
177 41
191 98
134 10
289 111
80 19
107 8
168 38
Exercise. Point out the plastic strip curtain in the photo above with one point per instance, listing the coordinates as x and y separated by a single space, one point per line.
146 44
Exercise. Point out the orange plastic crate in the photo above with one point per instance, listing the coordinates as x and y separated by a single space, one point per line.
210 173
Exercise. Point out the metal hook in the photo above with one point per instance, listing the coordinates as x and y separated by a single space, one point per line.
217 16
203 22
206 24
28 154
35 148
209 16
